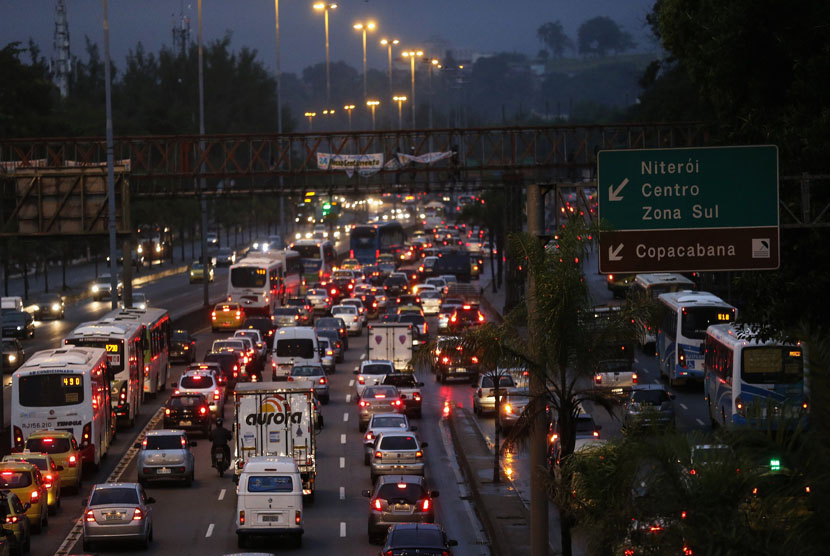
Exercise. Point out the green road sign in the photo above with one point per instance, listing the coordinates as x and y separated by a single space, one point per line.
654 200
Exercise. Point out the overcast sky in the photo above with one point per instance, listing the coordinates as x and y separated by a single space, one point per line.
478 26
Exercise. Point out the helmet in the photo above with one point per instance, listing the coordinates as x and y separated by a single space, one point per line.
219 422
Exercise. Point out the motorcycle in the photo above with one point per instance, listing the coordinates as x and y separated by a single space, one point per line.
219 459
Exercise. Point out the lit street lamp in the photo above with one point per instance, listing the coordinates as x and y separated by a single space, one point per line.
325 7
348 108
400 99
369 26
411 55
372 104
433 63
388 44
310 115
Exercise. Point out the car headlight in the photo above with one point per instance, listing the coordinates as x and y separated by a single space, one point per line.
35 307
55 307
256 245
95 288
20 328
140 249
12 358
158 248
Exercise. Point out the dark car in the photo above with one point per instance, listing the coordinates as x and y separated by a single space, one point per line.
13 354
374 275
18 324
452 361
306 311
371 305
231 364
395 285
407 299
424 539
464 317
48 306
398 499
420 330
182 347
266 328
190 412
334 323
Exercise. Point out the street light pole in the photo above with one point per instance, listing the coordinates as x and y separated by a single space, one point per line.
364 27
372 104
388 44
110 164
411 55
310 115
432 64
348 108
283 228
326 7
400 99
202 185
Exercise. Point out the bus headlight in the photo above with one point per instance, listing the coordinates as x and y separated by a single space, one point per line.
95 288
140 249
158 248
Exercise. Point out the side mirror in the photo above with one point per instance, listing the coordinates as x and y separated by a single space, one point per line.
137 445
414 428
434 493
424 445
28 505
151 500
366 493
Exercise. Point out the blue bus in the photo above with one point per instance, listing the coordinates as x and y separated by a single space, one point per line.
366 243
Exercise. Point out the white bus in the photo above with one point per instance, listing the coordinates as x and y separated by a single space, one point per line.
319 259
682 330
292 273
254 283
651 286
156 344
64 389
749 382
124 345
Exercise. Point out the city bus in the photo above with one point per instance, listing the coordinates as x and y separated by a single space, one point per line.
752 382
318 258
254 282
156 343
649 286
64 389
363 244
687 315
391 238
292 271
123 343
433 215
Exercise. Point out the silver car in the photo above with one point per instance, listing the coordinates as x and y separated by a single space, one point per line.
397 453
512 407
315 374
118 512
378 399
165 455
326 354
380 423
205 383
286 316
319 299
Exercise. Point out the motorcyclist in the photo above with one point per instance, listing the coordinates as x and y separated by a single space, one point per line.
219 438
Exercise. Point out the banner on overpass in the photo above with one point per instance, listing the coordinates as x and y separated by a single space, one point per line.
365 164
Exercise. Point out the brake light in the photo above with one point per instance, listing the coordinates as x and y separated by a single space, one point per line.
739 405
397 403
681 356
73 461
298 517
378 455
598 379
419 454
369 436
445 359
376 503
216 394
242 517
417 396
47 480
203 410
453 318
596 434
361 379
35 496
474 359
18 439
90 516
480 317
213 315
634 378
425 505
363 403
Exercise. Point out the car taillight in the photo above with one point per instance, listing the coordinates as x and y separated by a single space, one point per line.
376 504
424 505
397 403
35 496
323 380
681 356
445 360
378 455
598 379
138 515
86 435
361 379
480 317
73 461
369 436
417 396
362 403
634 378
90 516
18 439
474 359
47 480
298 517
213 315
216 394
453 318
739 405
203 410
419 454
242 517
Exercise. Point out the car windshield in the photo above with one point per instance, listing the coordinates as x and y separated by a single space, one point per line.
430 295
228 344
15 479
401 493
104 496
303 348
380 392
389 422
196 381
307 370
377 369
585 425
185 402
398 443
346 309
286 311
400 380
50 390
328 323
164 442
416 537
295 302
39 462
649 397
180 336
504 382
48 445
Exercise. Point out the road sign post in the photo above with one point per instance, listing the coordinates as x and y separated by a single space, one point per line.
683 210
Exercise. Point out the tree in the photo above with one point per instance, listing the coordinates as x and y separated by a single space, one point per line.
553 36
27 96
600 35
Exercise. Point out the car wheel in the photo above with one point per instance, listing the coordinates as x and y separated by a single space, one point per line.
188 482
145 542
37 527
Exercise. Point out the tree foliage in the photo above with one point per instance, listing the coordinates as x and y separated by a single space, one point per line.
600 35
553 36
27 96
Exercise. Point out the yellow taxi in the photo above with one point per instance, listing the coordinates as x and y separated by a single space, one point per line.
13 518
350 264
25 481
49 470
227 316
410 310
63 448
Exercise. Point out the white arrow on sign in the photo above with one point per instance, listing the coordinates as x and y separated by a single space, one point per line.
614 254
614 194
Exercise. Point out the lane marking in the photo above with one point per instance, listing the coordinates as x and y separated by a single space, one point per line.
348 398
351 382
345 417
683 405
209 531
699 422
342 463
636 360
222 494
656 381
342 529
363 356
342 493
342 439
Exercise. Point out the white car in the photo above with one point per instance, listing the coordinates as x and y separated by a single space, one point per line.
361 310
371 373
382 423
431 302
423 288
350 316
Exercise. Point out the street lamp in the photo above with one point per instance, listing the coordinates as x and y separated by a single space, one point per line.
310 115
372 104
433 63
348 108
400 99
388 44
411 55
368 26
325 7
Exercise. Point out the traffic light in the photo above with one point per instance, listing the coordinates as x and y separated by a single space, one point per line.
326 208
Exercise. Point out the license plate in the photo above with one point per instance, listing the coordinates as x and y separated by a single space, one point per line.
460 370
185 423
401 507
270 518
112 516
164 471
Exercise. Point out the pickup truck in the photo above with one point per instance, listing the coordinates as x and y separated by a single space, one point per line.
409 389
484 397
616 375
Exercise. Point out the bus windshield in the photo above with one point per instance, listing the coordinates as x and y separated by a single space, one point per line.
363 237
696 320
248 277
771 365
307 251
51 390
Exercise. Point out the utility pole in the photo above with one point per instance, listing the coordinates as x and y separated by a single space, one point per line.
202 184
283 227
538 431
110 163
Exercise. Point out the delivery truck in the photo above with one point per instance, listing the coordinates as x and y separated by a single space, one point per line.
276 419
391 342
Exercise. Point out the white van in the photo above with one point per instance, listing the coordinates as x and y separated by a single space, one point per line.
293 345
15 303
269 499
